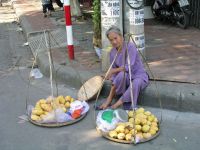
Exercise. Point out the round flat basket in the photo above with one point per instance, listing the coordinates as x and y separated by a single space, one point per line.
90 88
56 124
105 135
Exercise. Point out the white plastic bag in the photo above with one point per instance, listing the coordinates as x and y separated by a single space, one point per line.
86 107
75 105
79 105
36 73
29 110
49 118
104 125
61 116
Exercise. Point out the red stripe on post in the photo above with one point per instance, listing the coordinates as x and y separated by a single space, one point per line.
67 15
71 51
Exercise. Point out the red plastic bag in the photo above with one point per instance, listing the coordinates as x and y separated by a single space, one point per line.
77 113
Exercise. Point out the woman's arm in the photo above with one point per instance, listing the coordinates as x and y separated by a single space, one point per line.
114 71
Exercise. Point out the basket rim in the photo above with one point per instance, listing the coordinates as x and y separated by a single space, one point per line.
52 125
105 135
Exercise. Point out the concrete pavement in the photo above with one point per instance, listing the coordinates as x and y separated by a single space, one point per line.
172 55
179 130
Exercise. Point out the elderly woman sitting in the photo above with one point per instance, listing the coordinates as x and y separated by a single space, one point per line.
120 75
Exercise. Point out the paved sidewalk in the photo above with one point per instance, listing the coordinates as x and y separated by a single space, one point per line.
172 54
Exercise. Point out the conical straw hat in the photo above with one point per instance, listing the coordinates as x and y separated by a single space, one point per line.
90 88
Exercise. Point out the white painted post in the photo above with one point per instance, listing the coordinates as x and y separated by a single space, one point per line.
134 22
110 15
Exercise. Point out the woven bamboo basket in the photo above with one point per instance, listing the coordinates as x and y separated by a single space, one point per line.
90 88
105 135
52 125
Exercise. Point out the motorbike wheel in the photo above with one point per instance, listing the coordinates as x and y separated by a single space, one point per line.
183 20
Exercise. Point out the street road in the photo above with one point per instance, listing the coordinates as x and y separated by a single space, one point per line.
179 131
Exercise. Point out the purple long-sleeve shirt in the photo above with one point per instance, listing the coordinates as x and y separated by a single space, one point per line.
121 80
137 68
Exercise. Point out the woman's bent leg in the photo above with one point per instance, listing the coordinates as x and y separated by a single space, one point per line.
138 84
120 82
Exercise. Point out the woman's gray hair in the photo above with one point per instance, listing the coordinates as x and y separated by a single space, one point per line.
113 29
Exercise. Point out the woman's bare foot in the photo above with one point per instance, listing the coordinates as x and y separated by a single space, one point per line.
109 98
117 104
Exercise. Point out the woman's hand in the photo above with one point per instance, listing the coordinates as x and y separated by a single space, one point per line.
109 75
114 71
105 104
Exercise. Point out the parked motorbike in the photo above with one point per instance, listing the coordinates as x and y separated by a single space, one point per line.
176 11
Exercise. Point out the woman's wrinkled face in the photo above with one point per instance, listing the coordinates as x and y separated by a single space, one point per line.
115 39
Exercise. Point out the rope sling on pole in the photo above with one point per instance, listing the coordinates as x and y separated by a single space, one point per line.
131 86
46 37
50 64
151 73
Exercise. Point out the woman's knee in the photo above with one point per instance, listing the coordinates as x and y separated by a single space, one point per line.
137 81
120 77
140 83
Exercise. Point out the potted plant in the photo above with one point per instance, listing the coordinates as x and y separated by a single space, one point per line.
96 18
